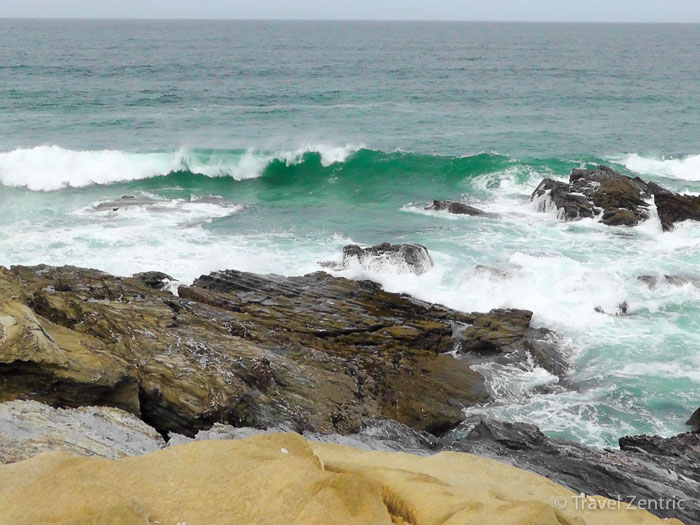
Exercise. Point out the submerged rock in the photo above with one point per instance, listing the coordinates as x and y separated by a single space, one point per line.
457 208
126 201
386 258
652 281
490 271
285 478
618 200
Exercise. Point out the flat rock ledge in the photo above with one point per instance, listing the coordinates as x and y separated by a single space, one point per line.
617 199
314 353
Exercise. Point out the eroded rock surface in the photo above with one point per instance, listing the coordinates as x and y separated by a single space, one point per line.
285 478
28 428
314 353
618 200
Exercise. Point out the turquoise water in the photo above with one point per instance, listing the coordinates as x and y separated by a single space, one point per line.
319 134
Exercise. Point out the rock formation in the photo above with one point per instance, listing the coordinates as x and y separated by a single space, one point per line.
385 257
618 200
316 353
270 478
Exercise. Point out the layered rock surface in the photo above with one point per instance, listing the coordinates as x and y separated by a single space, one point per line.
618 200
28 428
315 353
282 477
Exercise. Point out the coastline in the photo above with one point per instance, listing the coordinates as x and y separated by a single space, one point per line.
293 347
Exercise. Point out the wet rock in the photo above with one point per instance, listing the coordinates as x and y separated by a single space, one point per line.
155 280
672 207
507 336
556 195
457 208
395 258
315 353
661 471
618 200
694 421
28 428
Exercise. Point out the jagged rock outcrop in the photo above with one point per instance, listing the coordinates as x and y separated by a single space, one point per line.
284 478
457 208
315 353
28 428
618 199
387 258
507 336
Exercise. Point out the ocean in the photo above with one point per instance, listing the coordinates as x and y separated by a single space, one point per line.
268 146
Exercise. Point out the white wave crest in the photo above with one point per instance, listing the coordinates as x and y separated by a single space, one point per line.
50 168
686 168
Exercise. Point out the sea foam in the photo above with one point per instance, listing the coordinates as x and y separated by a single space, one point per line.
686 168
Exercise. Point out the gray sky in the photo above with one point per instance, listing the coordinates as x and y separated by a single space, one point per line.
520 10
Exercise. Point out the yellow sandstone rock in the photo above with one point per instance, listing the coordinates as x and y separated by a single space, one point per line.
282 478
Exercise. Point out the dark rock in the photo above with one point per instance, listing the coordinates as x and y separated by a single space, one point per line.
404 258
650 469
457 208
618 199
694 421
155 280
507 336
672 207
551 194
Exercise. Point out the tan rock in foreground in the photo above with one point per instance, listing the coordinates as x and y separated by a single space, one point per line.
281 478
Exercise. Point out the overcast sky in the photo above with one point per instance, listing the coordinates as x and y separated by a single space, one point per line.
520 10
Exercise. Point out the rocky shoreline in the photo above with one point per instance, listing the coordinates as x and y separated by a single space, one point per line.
94 364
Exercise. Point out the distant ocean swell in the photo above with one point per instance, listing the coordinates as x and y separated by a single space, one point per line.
51 168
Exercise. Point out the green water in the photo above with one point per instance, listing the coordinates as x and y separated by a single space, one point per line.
319 134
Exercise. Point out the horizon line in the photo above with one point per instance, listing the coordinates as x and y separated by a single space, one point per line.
428 20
